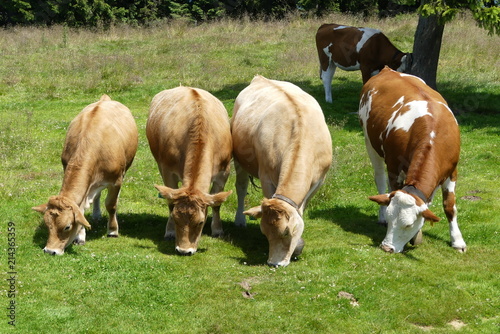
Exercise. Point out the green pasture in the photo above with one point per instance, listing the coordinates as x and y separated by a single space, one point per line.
342 283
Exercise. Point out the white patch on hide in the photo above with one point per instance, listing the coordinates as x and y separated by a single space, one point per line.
404 121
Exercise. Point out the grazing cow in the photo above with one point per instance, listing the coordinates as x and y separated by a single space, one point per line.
280 136
352 49
409 126
99 148
189 136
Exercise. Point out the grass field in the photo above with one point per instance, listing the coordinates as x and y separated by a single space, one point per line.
342 283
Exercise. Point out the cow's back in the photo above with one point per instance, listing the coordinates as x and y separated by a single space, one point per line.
186 119
401 115
276 123
102 134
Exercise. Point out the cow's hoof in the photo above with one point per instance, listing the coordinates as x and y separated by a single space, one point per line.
462 249
382 223
169 237
111 235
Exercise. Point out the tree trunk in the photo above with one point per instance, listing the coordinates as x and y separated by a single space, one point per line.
426 48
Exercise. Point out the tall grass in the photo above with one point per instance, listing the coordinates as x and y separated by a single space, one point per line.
137 284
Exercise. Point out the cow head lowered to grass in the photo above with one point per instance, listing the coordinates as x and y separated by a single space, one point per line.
409 128
64 221
189 213
282 224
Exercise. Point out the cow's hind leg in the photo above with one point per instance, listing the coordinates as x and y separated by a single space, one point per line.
96 207
218 186
111 204
241 191
450 210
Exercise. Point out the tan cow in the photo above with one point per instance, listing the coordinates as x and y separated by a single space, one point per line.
280 136
409 128
189 136
353 49
100 146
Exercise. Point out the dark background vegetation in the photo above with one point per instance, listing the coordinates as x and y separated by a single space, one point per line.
105 12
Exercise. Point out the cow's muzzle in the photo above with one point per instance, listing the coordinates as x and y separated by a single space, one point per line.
387 249
185 252
52 251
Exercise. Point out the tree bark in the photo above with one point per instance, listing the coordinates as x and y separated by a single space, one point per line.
426 48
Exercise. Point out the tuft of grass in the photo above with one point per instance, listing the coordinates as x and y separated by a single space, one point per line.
136 283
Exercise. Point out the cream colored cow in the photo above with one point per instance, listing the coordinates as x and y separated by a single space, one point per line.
100 146
189 136
280 136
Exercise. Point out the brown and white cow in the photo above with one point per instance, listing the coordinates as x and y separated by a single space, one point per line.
353 49
189 136
280 136
100 146
409 126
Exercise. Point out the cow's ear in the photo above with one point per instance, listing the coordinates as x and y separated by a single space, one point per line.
40 208
80 218
169 194
428 215
382 199
219 198
255 212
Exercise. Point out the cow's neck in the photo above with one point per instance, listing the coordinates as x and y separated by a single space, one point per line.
294 185
423 174
198 173
76 183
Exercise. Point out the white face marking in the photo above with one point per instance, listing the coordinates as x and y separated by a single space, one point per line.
404 220
340 27
416 109
367 33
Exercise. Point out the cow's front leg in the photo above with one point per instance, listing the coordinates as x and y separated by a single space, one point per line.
241 191
170 229
450 210
171 180
218 186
